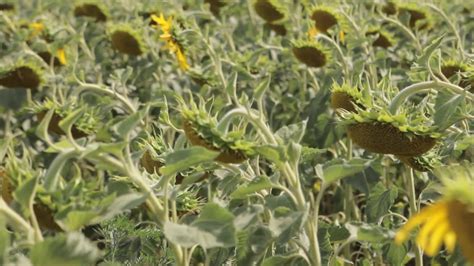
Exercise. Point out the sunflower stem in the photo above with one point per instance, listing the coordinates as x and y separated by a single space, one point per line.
410 180
400 98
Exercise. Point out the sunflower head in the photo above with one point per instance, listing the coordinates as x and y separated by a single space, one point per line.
346 97
59 58
324 18
424 163
381 132
215 6
448 221
201 130
125 39
311 53
384 38
92 9
278 28
86 125
7 7
451 68
420 18
270 10
22 75
153 147
389 8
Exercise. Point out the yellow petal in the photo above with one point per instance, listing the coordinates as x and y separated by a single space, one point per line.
61 55
342 37
183 64
450 241
430 227
313 32
436 239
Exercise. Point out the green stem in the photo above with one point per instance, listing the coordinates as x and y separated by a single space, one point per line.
16 220
423 86
413 210
341 55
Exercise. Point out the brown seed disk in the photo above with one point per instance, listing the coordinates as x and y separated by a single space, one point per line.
413 163
310 56
21 77
53 126
277 28
90 10
45 217
7 189
6 7
387 139
125 43
461 219
267 11
323 20
149 164
46 56
342 100
414 17
381 41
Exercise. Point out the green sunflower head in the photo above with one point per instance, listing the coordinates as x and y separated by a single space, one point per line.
24 74
311 53
92 9
451 68
216 5
346 97
270 10
383 39
86 125
127 40
201 130
324 17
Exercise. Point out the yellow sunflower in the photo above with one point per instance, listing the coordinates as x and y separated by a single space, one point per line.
449 220
173 45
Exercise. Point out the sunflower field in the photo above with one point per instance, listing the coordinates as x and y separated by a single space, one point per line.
236 132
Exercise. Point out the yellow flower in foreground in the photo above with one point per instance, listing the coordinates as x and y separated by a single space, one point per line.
171 43
448 222
61 55
312 32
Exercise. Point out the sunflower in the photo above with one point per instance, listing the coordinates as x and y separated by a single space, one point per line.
91 9
23 75
324 17
60 59
270 10
448 221
450 68
215 6
36 29
171 40
419 17
384 38
310 53
7 7
346 97
278 28
126 40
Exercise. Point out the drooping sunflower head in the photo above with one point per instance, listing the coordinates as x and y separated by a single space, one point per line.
7 7
378 131
278 28
215 6
420 18
451 68
324 17
311 53
59 58
389 8
153 147
127 40
23 74
270 10
92 9
346 97
384 38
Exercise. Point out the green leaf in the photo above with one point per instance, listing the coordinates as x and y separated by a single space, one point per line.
259 183
71 249
290 260
42 129
273 153
25 193
262 87
369 233
51 177
246 216
380 201
338 171
124 127
67 122
293 132
231 87
183 159
121 204
283 219
4 241
213 228
428 51
447 110
75 220
394 254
